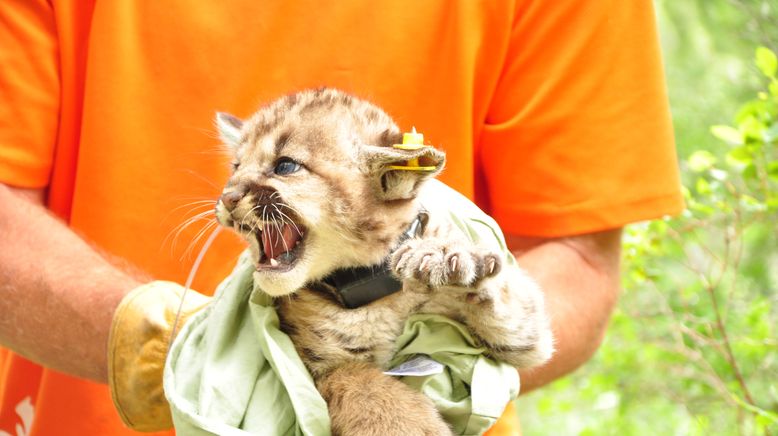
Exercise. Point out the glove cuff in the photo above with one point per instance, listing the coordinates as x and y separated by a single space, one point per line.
137 349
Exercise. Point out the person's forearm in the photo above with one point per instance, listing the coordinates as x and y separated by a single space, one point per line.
580 278
57 294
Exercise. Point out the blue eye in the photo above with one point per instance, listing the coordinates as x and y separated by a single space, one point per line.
286 166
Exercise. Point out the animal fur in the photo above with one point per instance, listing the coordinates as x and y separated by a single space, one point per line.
312 192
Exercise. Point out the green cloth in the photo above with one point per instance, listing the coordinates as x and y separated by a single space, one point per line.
231 371
473 390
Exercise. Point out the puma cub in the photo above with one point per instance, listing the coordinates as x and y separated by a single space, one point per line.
315 190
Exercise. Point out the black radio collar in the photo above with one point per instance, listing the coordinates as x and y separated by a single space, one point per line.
356 287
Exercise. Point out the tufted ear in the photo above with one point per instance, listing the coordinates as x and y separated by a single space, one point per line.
229 128
398 173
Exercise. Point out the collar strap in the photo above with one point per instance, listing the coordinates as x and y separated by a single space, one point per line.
356 287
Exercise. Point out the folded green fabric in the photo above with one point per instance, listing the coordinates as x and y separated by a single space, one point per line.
231 371
473 390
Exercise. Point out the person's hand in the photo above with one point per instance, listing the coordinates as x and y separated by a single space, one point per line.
143 327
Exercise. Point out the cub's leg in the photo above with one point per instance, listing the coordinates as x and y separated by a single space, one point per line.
363 401
502 306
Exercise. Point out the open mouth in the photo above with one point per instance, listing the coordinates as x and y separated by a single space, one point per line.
280 245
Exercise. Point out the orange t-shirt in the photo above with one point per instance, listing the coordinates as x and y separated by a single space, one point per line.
553 114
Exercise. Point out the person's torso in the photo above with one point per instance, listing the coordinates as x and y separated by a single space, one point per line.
137 154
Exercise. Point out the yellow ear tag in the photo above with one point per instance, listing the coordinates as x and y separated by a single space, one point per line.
411 141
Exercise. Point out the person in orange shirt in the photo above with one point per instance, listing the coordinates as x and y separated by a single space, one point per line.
553 115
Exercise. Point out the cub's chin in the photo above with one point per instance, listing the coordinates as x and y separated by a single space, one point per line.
278 284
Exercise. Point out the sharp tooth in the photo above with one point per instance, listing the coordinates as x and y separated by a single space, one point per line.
273 262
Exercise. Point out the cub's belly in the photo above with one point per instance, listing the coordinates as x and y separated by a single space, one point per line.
326 335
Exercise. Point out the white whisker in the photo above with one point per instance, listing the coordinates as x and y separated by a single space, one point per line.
201 177
190 278
194 206
248 215
287 218
278 230
292 209
177 230
197 204
197 238
280 233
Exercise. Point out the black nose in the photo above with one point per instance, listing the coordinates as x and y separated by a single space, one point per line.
231 199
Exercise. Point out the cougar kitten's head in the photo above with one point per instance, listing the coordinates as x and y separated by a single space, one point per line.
313 189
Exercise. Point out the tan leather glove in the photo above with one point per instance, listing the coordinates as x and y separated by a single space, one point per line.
137 348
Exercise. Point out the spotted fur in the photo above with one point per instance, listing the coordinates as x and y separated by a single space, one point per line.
352 209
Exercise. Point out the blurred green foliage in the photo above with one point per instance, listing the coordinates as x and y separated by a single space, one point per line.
693 346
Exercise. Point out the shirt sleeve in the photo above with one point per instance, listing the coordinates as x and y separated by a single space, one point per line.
29 92
578 136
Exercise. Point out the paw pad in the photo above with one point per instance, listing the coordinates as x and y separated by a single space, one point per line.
441 263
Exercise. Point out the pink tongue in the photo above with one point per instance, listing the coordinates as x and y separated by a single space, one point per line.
275 243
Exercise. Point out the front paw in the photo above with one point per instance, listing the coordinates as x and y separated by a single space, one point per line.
442 263
363 401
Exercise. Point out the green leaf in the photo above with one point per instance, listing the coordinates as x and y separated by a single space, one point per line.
752 128
687 194
727 134
750 109
762 423
749 173
701 160
755 116
658 227
701 209
771 134
741 155
772 170
703 187
774 88
752 204
766 61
